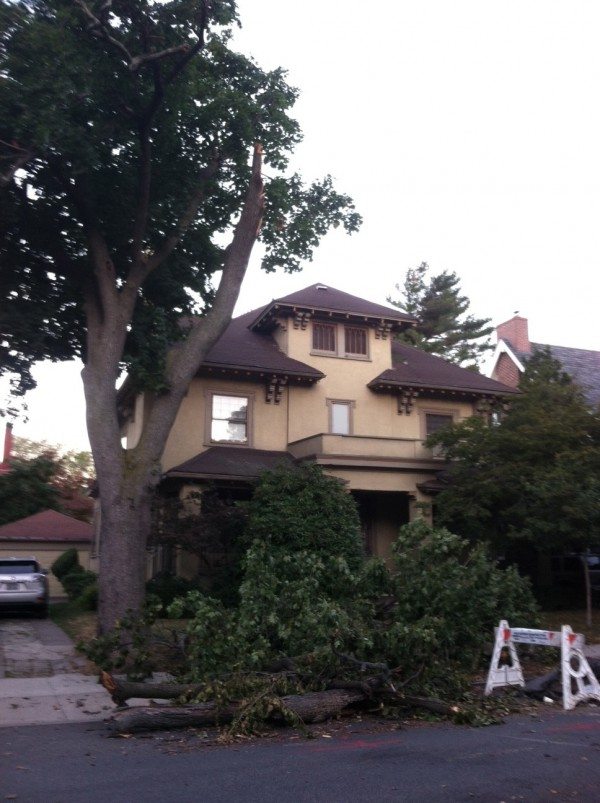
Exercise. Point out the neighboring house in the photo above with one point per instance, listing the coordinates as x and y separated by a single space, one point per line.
45 536
514 348
318 376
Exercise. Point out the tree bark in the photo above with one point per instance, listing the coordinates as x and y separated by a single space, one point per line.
123 690
127 479
310 707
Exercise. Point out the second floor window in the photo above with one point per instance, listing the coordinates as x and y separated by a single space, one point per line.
340 417
229 420
436 421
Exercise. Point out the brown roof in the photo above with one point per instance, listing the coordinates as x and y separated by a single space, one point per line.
245 350
232 462
49 525
414 368
321 298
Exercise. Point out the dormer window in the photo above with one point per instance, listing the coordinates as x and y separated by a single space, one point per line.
324 338
355 340
338 340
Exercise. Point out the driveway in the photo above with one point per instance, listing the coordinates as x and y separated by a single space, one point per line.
42 679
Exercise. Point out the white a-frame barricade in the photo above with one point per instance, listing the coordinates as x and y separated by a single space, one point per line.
578 680
504 674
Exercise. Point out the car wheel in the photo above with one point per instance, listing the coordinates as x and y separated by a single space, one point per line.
43 613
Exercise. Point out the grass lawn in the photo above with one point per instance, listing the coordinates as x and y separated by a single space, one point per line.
78 624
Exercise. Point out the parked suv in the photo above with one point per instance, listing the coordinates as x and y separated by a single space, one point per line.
23 585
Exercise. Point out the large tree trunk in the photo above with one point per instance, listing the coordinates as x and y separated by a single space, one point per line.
310 707
123 537
126 480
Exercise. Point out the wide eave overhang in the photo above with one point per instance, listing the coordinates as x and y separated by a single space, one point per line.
268 317
260 373
433 390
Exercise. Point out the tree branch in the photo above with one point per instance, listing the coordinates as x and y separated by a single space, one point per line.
97 28
173 240
186 356
18 156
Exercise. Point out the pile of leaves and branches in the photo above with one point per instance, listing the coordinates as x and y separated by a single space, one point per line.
319 628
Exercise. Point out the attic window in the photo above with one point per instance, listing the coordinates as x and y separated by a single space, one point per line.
355 340
322 287
324 337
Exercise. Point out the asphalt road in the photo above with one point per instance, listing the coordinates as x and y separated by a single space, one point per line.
554 758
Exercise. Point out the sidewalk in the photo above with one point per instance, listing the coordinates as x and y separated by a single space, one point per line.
41 677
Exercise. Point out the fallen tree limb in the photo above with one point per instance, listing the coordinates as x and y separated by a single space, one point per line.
430 704
310 707
538 687
123 690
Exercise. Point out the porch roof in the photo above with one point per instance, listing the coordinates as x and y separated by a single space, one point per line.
230 462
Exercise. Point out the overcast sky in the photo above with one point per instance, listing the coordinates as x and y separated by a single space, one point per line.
468 134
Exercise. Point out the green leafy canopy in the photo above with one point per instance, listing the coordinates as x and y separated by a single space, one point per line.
85 97
535 474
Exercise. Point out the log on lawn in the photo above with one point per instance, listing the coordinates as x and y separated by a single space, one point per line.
310 707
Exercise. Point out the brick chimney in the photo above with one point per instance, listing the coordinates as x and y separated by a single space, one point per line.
516 332
8 446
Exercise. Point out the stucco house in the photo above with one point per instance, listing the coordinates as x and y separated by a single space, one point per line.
318 376
514 348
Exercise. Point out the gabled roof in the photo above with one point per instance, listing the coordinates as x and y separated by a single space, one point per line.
417 369
582 365
230 462
49 525
241 349
328 300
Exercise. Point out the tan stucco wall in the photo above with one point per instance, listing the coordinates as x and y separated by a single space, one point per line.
303 411
188 436
46 554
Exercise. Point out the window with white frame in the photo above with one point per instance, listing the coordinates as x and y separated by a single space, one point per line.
229 419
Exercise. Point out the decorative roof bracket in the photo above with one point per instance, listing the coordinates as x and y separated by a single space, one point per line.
274 389
406 401
301 319
382 330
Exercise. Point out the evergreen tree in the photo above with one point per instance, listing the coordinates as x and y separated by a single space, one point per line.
443 326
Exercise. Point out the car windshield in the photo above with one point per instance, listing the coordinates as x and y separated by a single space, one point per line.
18 567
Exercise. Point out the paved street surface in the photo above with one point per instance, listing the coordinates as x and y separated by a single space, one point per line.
553 758
54 748
41 678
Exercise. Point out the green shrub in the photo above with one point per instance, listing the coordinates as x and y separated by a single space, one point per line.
448 597
75 582
304 509
65 563
166 587
88 599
